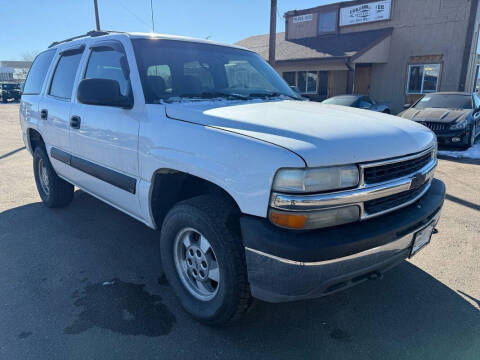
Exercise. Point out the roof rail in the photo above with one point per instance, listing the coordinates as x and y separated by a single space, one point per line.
92 33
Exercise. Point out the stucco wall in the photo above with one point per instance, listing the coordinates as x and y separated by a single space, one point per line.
421 28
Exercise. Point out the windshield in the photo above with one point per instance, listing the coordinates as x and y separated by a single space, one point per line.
341 100
10 86
446 101
173 70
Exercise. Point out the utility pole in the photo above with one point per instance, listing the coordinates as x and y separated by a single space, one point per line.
273 32
97 19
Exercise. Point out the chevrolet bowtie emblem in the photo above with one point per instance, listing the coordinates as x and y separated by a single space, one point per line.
417 181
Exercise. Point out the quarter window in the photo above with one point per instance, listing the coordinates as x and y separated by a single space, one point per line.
423 78
64 76
38 72
109 64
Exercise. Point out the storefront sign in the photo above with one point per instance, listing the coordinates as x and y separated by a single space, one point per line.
302 18
365 13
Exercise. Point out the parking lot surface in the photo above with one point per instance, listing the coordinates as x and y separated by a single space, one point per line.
84 283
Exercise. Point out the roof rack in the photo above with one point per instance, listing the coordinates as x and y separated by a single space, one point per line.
93 33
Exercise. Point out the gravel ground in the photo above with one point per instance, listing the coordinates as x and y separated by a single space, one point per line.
83 283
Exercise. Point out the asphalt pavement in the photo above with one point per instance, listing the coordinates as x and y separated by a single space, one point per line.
85 282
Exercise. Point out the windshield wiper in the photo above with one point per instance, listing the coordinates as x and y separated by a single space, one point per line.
271 95
215 94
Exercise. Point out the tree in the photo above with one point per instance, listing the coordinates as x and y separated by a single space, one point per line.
29 55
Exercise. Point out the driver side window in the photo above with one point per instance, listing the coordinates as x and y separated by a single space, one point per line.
107 64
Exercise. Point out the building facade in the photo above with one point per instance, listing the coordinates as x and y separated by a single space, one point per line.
14 71
393 50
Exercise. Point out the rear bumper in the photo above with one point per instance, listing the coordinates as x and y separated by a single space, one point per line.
285 265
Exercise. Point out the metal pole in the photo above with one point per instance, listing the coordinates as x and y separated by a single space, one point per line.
153 22
97 19
273 32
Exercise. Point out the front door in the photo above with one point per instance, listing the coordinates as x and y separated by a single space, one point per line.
104 139
363 74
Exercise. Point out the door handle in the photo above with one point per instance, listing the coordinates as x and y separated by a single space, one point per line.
75 122
44 114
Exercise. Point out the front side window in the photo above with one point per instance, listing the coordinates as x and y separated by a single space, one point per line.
198 71
38 72
423 78
307 82
327 22
64 76
108 64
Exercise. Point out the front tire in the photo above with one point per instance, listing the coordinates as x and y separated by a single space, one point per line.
54 191
204 261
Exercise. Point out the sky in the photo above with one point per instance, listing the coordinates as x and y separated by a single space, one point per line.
29 26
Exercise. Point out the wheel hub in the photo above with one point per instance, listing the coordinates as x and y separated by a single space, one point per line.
43 176
196 264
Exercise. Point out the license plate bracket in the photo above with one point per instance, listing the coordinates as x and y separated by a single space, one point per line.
422 238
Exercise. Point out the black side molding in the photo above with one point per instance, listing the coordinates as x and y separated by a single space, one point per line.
112 177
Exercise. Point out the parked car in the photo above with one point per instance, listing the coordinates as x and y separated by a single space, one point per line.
358 101
9 92
255 193
453 116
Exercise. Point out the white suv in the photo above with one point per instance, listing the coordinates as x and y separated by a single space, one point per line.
257 193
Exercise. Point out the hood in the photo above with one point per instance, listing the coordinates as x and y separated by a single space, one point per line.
436 114
321 134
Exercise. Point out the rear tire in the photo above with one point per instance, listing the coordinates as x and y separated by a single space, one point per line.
200 243
54 191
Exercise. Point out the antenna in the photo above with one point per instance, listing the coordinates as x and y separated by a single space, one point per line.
153 22
97 19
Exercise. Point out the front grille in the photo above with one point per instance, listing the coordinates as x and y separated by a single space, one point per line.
381 173
434 126
390 202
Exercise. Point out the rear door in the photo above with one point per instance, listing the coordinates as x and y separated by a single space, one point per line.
54 107
104 142
29 114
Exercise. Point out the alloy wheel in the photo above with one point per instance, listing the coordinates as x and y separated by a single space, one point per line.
196 264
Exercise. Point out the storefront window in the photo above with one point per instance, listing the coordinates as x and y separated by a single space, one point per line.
289 77
423 78
307 82
327 22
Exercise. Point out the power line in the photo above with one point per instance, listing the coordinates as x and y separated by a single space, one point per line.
135 15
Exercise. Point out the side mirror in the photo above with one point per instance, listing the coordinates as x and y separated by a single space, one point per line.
407 106
104 92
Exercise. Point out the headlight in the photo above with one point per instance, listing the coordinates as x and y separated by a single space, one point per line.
315 179
460 125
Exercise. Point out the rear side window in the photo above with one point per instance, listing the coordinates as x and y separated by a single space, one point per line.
108 65
37 73
64 76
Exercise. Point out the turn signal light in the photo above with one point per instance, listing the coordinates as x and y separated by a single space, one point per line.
291 221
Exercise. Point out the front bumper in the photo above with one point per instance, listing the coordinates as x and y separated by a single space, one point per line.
288 265
447 137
